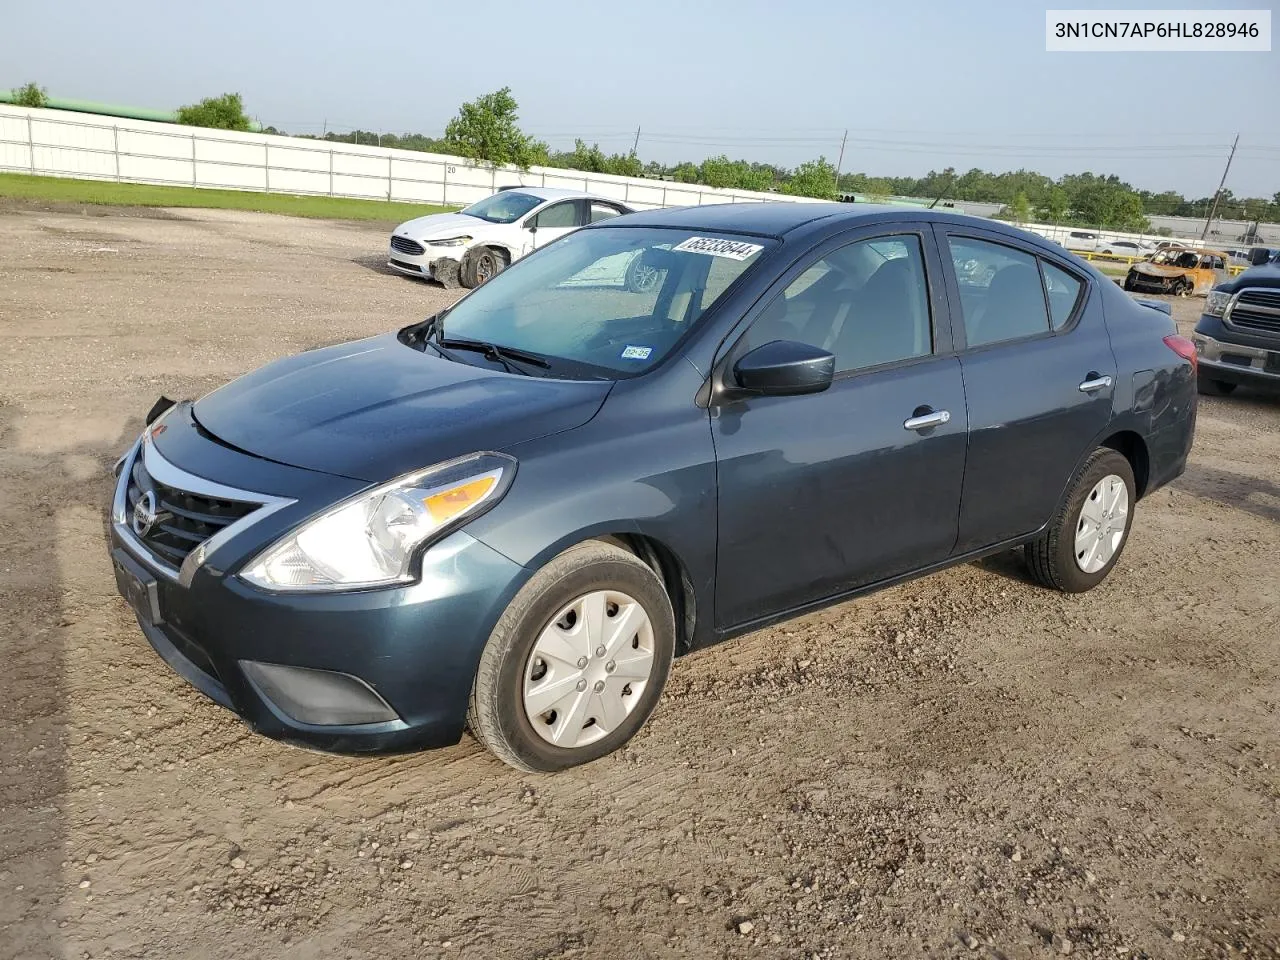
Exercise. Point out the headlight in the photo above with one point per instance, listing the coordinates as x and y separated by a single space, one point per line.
371 540
451 242
1215 304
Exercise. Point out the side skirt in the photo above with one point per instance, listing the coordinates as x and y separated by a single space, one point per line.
760 623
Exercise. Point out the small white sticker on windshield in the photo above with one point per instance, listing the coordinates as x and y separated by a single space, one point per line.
733 249
636 353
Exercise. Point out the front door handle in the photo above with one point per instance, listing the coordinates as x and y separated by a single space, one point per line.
927 421
1094 383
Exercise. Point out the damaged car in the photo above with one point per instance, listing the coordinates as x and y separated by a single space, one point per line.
1191 271
480 241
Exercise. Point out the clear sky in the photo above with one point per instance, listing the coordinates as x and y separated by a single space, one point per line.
919 84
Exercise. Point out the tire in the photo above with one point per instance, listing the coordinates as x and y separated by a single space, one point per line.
551 615
1128 282
1053 558
480 264
1183 288
1214 388
642 277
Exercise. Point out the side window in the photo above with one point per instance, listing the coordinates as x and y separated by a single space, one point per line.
1001 296
603 211
1064 290
558 215
868 303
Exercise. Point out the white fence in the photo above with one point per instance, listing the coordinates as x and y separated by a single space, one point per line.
64 144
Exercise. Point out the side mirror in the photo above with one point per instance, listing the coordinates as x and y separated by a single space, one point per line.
783 368
532 225
1259 256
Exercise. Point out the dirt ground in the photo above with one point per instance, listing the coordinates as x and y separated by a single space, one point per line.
966 765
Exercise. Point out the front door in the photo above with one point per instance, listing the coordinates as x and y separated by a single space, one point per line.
553 221
1039 376
823 493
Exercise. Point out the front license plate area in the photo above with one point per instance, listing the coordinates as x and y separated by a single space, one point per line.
138 587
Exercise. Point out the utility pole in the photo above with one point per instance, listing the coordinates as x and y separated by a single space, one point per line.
636 146
840 162
1214 209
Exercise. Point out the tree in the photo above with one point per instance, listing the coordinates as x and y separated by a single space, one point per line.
813 178
30 95
219 113
1018 210
1053 206
485 129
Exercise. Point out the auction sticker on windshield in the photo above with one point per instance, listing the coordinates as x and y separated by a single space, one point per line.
733 249
636 353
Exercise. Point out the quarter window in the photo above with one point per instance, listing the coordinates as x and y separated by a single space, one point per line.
1001 295
1063 291
868 303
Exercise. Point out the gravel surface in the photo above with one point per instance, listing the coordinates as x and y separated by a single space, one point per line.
966 765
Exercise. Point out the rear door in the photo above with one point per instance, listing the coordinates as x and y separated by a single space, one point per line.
1039 376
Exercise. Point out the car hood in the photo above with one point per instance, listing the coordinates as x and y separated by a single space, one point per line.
1263 275
375 409
1159 270
440 226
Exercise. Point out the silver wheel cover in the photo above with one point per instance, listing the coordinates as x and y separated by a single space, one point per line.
588 668
1101 525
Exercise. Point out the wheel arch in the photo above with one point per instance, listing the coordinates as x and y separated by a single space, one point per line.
659 557
1132 447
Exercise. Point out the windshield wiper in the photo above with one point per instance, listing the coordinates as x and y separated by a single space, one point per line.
507 356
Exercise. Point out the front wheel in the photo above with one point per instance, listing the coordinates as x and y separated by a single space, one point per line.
1090 527
1184 288
481 264
575 665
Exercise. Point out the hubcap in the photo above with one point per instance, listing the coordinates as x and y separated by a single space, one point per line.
484 267
1101 525
588 668
645 275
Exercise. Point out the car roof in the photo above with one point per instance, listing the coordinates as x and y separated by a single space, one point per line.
778 218
553 193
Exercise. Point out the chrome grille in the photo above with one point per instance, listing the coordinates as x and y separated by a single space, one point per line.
1256 309
184 519
405 245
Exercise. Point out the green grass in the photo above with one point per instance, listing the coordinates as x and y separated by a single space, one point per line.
60 190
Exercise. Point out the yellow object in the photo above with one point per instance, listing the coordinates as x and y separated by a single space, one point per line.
449 503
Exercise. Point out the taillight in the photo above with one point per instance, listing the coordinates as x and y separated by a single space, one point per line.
1183 348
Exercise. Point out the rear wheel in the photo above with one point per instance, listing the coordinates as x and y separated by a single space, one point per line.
576 663
1090 528
1214 388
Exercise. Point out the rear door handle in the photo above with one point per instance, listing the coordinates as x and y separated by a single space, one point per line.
927 420
1095 383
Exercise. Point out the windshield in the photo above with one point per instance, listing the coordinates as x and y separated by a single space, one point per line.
609 301
506 207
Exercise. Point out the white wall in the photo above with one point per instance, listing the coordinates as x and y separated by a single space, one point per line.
61 143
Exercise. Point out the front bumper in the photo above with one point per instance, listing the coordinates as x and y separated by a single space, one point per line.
1237 362
1150 284
438 263
374 670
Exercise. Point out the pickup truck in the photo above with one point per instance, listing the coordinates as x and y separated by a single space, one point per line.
1238 335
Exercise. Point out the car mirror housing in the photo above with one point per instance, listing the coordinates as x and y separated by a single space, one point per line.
784 368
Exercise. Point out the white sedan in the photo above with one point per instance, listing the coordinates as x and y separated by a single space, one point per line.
481 240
